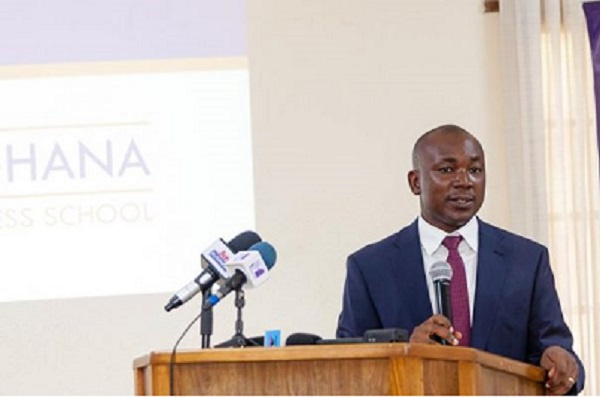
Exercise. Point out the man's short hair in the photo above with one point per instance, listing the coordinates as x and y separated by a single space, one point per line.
446 128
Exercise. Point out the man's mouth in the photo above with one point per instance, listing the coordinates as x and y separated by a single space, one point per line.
461 200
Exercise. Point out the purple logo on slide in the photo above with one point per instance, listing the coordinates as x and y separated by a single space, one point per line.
71 161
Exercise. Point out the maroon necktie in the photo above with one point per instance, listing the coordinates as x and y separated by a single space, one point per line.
459 294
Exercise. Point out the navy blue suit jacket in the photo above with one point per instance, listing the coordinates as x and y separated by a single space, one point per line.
517 312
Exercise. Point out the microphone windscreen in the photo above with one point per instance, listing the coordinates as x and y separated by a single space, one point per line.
267 251
440 271
302 339
243 241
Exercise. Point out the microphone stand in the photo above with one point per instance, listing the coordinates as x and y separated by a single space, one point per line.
238 339
206 320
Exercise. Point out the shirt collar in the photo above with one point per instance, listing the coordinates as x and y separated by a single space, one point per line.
432 237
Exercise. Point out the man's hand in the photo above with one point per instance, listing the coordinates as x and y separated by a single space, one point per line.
435 329
562 370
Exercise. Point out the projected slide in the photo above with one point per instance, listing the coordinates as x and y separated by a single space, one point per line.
120 162
113 184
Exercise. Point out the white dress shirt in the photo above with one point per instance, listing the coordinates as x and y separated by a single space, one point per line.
433 251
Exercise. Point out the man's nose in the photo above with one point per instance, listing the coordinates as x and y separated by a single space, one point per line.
463 178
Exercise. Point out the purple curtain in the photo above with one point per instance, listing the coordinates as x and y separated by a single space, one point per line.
592 14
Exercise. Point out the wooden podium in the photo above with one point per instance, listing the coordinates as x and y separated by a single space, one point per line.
352 369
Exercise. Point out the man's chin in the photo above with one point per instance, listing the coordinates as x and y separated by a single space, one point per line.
456 222
449 221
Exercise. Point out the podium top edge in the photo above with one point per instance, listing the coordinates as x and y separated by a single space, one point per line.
337 352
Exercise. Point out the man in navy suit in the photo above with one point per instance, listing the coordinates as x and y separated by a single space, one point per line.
510 305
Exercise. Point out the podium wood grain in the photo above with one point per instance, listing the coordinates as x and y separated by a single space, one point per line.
357 369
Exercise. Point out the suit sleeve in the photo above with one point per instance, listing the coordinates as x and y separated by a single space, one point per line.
358 312
547 326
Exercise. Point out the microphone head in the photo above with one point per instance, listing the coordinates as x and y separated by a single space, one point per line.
440 271
243 241
267 251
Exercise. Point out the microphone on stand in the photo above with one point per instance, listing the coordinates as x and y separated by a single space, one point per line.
250 268
214 261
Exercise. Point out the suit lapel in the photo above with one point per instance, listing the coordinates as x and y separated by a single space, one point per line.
491 271
410 276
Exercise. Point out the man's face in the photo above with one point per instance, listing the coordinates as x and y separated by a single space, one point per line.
450 179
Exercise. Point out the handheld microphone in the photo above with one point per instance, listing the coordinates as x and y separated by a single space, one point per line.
250 268
214 260
441 274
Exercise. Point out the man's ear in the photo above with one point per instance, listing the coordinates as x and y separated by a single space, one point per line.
414 182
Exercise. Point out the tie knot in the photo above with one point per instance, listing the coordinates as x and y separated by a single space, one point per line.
451 242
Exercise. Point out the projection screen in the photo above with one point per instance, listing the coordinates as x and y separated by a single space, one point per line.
123 151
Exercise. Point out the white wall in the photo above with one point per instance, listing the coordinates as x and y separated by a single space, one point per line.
340 90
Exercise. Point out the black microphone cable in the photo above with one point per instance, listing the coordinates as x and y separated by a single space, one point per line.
174 352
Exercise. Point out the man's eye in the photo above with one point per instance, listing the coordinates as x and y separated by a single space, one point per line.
475 170
445 170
